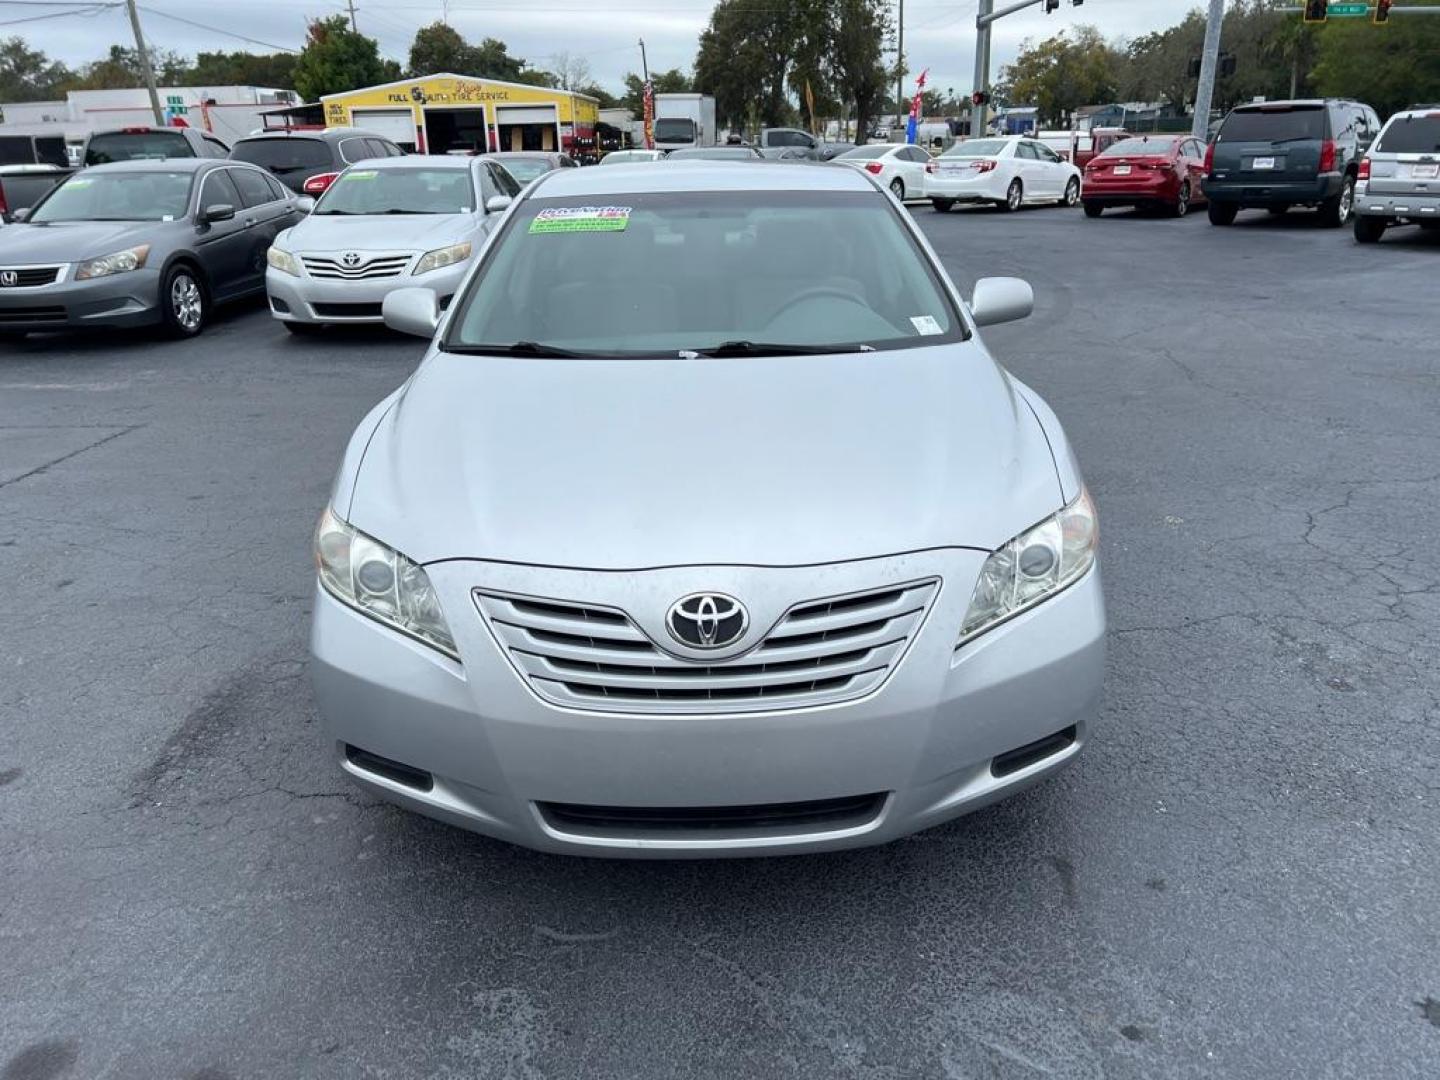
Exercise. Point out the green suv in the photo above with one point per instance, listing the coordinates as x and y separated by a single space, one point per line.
1279 154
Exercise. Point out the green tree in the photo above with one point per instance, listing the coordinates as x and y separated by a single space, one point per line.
336 58
673 81
1157 66
848 34
1063 73
493 61
27 74
439 48
1387 67
120 69
244 69
599 93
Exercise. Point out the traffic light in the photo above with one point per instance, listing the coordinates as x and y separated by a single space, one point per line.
1051 5
1227 65
1382 11
979 97
1316 10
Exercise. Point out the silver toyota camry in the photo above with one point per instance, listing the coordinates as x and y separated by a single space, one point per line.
707 526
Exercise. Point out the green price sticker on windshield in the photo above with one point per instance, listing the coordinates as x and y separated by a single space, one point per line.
363 174
573 219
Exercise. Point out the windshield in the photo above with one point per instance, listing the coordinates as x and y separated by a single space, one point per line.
136 146
283 155
1139 147
1274 125
1411 135
976 148
712 153
674 129
399 191
665 274
865 152
525 169
117 196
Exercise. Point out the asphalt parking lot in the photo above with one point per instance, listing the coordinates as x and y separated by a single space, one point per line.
1238 879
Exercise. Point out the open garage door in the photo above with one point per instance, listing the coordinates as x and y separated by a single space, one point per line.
455 129
397 125
528 127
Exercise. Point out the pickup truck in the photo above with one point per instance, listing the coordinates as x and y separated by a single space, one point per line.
22 186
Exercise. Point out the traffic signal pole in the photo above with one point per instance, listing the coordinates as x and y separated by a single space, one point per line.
1205 91
985 15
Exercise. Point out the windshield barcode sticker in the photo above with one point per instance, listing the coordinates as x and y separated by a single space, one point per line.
581 219
925 325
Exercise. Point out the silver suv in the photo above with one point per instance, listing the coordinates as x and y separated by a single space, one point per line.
1399 180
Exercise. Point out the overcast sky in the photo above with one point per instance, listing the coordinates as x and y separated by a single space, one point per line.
939 34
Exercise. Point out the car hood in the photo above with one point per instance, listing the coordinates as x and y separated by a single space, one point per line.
387 232
762 461
73 241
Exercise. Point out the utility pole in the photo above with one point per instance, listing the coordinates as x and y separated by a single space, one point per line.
982 65
353 28
1205 92
900 61
145 67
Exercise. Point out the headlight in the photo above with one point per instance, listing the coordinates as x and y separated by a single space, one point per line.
1035 565
376 581
282 260
117 262
446 256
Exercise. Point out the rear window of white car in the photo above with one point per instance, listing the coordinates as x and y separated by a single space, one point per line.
1411 135
976 148
675 273
866 152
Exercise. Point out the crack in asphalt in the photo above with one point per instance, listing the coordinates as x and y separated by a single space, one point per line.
39 469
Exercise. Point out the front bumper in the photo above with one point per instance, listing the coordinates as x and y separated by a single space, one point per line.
922 743
1420 207
1253 190
976 187
128 299
312 300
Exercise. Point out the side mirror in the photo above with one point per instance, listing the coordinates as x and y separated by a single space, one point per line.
1000 300
496 203
304 204
217 212
412 311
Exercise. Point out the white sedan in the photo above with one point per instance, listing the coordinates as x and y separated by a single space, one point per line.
898 166
1008 172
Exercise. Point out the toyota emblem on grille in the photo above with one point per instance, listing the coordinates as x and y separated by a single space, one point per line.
8 278
351 258
707 620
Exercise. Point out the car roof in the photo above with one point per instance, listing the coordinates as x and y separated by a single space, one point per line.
421 161
698 175
175 164
524 153
327 134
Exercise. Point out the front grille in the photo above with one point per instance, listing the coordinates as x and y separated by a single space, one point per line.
347 311
674 822
53 313
28 277
588 656
378 266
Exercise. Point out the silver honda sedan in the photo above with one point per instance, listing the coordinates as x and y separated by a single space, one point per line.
707 526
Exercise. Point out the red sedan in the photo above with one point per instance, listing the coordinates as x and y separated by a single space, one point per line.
1146 170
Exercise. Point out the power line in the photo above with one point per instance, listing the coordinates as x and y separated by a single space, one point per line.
217 30
89 9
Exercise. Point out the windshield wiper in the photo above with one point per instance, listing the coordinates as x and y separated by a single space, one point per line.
770 348
519 348
397 210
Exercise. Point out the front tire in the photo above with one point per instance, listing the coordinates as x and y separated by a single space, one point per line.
1181 206
1072 192
1369 230
1222 213
1335 212
1014 197
897 188
183 301
1093 209
942 206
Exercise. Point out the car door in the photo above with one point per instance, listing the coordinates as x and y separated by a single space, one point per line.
912 166
223 246
1027 167
1192 160
1053 170
265 214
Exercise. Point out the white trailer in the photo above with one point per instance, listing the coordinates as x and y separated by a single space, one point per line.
685 120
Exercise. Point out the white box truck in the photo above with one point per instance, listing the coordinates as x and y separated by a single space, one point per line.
685 120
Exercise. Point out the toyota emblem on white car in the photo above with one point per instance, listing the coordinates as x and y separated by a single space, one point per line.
351 258
707 620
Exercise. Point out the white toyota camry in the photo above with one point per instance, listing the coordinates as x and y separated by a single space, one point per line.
898 166
1008 172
